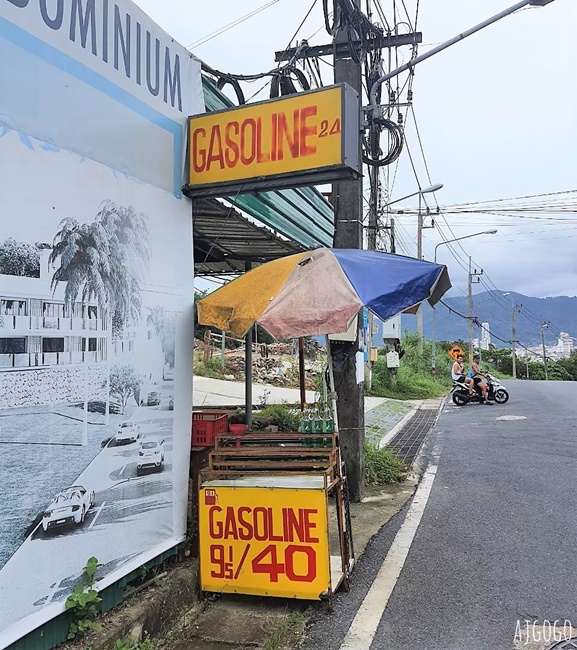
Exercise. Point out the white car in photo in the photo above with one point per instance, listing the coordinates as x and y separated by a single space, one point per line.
150 455
67 508
127 433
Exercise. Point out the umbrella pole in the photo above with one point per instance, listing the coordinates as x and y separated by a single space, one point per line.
248 369
332 382
302 372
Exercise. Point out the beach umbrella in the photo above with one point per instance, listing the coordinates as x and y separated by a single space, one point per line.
321 291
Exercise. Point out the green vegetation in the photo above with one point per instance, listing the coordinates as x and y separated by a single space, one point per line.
125 644
562 370
413 380
280 415
212 367
288 632
382 466
82 604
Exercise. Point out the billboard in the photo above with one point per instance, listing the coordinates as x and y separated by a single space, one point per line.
96 286
303 139
264 541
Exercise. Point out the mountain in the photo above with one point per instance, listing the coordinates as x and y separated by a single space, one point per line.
495 309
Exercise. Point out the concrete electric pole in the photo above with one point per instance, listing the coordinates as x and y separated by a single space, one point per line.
348 204
470 318
544 326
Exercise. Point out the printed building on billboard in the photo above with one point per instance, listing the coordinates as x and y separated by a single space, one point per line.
38 330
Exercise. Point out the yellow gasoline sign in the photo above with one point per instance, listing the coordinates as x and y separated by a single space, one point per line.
264 541
265 142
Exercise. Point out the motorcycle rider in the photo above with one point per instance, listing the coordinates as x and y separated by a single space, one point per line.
478 378
458 374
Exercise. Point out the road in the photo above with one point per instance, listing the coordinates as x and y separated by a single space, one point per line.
141 505
497 541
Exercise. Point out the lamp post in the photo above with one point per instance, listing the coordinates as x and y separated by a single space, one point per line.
449 241
372 236
427 190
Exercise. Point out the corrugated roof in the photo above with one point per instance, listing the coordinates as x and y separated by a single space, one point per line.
224 240
303 215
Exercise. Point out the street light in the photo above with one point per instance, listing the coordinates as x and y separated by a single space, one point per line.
373 225
449 241
427 190
420 192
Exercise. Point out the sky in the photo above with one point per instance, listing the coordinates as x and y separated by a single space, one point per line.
496 114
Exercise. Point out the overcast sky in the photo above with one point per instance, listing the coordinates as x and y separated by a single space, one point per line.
497 114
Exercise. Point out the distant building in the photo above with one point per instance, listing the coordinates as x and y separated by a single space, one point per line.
485 336
37 331
564 345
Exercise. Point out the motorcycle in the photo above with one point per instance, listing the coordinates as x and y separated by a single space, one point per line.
496 393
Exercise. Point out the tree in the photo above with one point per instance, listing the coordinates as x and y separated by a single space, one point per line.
124 383
569 364
19 258
501 358
104 261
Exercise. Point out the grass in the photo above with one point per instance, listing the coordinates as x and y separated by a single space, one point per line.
211 368
413 380
287 633
382 466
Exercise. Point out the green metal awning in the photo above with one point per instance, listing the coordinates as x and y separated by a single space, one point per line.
303 215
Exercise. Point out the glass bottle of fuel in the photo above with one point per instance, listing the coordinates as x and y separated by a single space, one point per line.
306 422
328 421
317 421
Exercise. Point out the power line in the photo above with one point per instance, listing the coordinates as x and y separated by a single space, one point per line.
236 22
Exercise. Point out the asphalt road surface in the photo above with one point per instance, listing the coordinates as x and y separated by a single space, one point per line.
497 542
141 505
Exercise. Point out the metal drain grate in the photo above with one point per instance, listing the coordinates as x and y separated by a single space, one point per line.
407 443
563 645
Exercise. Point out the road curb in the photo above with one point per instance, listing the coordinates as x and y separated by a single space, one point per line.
384 441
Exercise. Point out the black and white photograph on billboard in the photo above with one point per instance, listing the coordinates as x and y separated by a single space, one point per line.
89 306
96 300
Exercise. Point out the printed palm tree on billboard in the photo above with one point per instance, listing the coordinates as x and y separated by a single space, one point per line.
103 261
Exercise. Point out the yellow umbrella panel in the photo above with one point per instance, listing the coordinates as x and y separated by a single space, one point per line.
236 306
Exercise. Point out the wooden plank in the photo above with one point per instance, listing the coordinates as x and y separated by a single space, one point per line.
268 464
275 451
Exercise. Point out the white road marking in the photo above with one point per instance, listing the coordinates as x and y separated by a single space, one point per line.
364 626
96 515
122 469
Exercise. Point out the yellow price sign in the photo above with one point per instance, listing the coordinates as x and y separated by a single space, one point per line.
455 352
264 541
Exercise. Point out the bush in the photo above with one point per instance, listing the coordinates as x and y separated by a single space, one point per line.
212 368
382 466
279 415
413 380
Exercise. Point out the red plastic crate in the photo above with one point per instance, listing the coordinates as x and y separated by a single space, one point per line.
206 425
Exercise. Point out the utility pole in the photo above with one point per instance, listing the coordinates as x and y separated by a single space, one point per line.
513 340
544 326
420 257
349 234
470 318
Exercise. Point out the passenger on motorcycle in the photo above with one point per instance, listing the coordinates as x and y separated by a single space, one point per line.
478 378
458 374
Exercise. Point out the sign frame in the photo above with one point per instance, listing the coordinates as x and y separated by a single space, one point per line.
238 557
348 168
